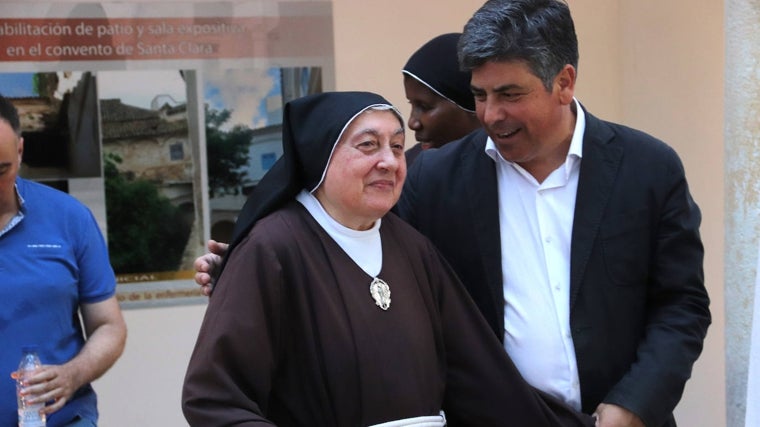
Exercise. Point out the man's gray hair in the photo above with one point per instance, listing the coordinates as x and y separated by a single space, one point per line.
539 33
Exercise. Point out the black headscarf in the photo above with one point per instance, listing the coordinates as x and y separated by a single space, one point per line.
436 66
311 128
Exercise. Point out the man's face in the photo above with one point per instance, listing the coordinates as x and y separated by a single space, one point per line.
523 118
11 148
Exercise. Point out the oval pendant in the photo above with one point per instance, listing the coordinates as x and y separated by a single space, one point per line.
381 293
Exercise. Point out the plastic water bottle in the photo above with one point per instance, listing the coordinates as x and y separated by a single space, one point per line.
28 413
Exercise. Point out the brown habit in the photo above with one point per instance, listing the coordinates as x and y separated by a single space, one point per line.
292 337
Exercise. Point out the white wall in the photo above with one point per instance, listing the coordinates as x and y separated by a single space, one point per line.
742 183
143 388
672 87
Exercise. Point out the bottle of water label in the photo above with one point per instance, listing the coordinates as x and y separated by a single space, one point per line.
29 414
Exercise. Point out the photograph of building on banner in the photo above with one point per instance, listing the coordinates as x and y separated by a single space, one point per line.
243 138
163 148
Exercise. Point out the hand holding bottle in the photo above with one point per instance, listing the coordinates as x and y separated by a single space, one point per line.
53 384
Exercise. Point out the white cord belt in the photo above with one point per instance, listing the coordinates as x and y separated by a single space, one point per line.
428 421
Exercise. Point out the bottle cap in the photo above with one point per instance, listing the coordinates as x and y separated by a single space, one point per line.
31 348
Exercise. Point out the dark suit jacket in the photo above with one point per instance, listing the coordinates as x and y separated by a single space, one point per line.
638 306
412 153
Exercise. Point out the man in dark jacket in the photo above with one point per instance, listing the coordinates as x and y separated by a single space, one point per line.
577 238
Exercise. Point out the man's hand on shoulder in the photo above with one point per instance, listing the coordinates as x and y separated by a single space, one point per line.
207 263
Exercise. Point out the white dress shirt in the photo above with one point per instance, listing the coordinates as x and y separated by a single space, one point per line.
535 222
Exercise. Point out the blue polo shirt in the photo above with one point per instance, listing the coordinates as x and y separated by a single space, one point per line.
52 258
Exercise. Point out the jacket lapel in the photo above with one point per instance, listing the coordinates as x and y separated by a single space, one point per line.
599 167
483 201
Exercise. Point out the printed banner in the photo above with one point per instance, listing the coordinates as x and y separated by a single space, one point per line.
92 39
160 117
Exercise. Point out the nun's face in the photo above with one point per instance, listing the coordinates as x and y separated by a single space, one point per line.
366 171
434 119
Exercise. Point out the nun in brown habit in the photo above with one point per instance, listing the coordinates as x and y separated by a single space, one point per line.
331 311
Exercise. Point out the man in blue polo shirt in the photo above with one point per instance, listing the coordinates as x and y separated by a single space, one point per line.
54 267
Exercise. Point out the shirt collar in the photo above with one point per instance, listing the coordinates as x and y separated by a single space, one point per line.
19 215
21 203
